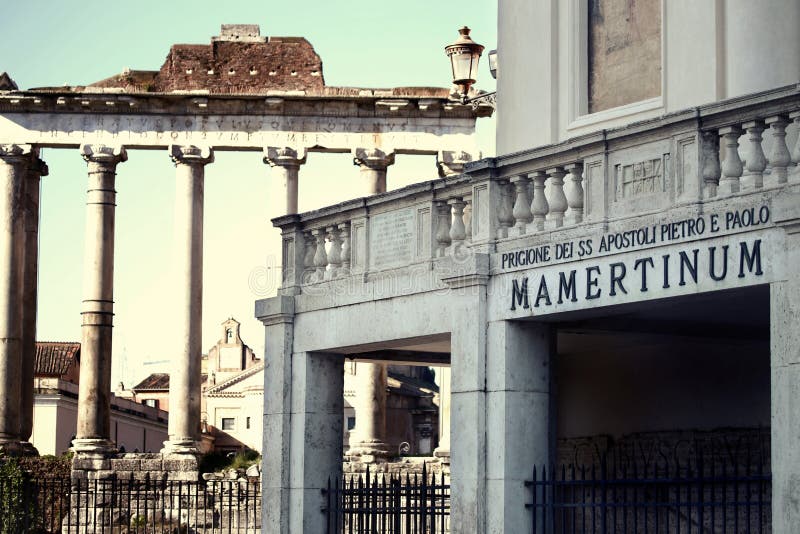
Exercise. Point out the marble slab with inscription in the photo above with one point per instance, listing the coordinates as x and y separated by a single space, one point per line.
391 239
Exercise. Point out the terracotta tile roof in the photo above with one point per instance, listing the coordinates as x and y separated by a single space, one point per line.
55 358
156 381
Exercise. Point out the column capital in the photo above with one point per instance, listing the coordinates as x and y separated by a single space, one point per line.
284 156
372 158
14 153
104 156
191 155
38 167
452 162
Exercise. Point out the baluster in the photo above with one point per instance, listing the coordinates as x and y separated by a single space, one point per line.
320 256
344 235
574 192
756 161
795 116
539 206
731 163
442 227
779 158
522 205
468 217
308 259
458 232
711 169
557 200
505 215
335 255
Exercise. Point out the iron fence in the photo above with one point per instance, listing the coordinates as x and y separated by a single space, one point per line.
147 506
713 495
388 504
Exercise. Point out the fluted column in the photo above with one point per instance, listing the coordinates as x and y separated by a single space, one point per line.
30 203
184 381
14 160
373 163
286 165
97 313
370 412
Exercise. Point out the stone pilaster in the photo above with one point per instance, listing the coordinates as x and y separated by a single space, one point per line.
97 313
285 164
14 161
443 381
785 370
370 403
373 163
36 170
185 375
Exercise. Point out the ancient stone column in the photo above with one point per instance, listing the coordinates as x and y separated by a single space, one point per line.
370 404
184 380
452 162
286 165
30 280
373 163
443 381
97 313
14 160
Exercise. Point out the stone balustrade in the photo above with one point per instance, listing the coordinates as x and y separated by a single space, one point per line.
728 148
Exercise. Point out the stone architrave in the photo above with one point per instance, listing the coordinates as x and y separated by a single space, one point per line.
14 161
185 377
286 165
97 313
373 163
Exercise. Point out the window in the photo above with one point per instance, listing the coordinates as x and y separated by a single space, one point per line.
228 423
247 423
351 423
624 52
153 403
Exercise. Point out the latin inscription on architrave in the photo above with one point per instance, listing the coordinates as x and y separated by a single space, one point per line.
253 131
640 178
391 238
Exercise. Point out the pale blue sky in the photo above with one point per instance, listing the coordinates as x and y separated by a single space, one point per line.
365 43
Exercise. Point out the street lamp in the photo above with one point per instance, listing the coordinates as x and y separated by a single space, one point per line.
464 56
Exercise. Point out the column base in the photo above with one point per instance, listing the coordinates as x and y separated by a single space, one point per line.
11 448
181 447
370 451
93 446
28 449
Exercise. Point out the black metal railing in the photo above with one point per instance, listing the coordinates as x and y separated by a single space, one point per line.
702 496
388 504
147 506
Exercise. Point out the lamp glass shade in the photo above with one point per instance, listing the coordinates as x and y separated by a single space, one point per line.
464 56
